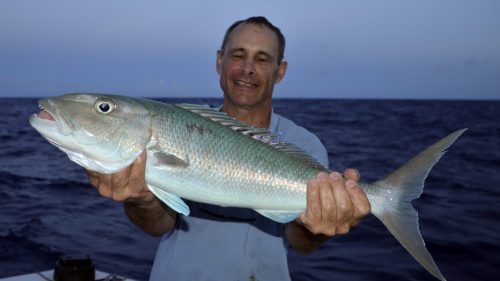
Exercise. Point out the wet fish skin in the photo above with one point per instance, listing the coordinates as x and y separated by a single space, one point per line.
203 155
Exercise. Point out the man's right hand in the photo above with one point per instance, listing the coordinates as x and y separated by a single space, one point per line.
128 184
141 206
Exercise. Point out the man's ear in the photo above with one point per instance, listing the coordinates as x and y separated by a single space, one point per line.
218 63
281 71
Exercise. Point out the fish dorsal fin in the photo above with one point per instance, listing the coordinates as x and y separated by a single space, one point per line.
298 153
215 115
260 134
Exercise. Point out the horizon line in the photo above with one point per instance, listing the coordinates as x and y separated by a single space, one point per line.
290 98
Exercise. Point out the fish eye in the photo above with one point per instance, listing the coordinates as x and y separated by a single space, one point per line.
104 106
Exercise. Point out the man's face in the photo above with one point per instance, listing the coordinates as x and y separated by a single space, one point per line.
249 68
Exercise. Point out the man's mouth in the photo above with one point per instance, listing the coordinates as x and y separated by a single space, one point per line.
243 84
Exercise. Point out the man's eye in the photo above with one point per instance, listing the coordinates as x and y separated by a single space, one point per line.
263 58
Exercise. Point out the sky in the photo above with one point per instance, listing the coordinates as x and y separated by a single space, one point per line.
395 49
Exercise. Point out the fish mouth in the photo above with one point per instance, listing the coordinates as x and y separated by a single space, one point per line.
48 116
44 114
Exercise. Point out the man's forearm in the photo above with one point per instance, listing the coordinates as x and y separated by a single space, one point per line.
154 217
302 239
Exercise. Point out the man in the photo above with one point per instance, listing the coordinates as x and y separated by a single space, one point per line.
216 243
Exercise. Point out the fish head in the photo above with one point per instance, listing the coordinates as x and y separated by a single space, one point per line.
102 133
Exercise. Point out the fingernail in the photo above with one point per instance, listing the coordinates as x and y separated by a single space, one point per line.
322 176
350 184
334 176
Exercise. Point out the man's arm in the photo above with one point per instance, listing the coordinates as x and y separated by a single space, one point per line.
334 206
141 206
154 218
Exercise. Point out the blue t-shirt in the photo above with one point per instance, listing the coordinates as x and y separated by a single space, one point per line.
230 244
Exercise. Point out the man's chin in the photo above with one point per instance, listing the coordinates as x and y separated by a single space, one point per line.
244 100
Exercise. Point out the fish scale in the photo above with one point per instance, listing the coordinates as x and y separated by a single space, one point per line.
254 175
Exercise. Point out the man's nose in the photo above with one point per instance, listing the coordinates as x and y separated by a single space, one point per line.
248 66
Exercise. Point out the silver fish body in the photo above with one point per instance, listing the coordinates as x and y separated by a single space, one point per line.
219 165
200 154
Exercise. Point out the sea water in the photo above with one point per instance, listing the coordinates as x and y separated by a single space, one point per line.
48 208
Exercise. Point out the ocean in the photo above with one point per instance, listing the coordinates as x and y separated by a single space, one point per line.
48 208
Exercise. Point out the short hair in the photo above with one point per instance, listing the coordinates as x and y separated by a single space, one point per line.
259 20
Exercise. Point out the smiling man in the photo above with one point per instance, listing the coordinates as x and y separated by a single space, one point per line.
250 63
217 243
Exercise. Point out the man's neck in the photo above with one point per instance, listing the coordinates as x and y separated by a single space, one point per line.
258 116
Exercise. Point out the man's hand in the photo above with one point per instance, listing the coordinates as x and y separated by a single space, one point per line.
128 184
335 204
141 206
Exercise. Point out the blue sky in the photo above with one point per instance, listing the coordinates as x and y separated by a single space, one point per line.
336 49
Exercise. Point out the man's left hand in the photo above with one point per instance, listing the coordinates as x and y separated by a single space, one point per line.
334 204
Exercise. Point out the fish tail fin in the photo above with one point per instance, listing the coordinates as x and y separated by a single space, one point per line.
397 191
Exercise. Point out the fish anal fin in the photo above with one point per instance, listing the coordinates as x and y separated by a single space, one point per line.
279 216
172 200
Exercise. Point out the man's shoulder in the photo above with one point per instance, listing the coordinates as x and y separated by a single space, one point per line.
290 131
288 124
302 137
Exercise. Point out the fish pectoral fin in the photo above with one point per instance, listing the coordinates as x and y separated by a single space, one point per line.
169 160
280 216
172 200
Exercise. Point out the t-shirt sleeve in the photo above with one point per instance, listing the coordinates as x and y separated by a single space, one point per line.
301 137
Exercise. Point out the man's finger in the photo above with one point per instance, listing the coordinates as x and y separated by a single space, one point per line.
328 204
352 174
359 200
94 180
104 185
138 170
343 201
120 178
313 212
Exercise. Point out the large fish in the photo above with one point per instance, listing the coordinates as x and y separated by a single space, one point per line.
201 154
